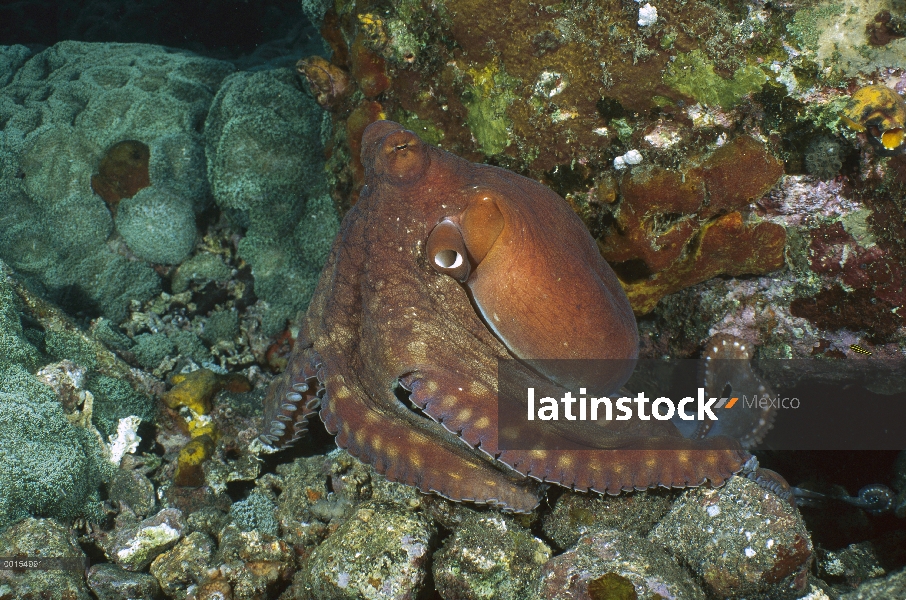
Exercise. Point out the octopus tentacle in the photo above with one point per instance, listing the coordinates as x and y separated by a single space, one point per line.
727 363
415 451
875 499
291 400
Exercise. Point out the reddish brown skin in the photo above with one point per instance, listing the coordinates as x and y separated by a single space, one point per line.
381 316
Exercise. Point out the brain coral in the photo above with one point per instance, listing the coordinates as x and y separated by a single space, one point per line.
265 166
60 113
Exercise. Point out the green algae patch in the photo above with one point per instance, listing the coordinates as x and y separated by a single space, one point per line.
487 100
692 75
424 128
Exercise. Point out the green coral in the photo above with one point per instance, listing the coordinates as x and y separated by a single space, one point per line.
256 512
14 347
201 268
48 467
151 348
189 344
223 325
115 399
266 172
693 75
61 109
11 58
110 335
66 345
157 225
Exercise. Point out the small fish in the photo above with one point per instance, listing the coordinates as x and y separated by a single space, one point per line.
859 349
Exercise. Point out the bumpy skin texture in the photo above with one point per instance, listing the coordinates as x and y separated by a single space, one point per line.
383 316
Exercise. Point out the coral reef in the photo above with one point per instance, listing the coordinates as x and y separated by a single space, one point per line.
265 171
50 467
77 113
553 99
741 165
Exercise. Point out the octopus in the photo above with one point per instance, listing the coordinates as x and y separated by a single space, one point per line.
727 370
442 269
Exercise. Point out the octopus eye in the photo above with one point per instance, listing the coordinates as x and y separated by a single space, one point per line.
404 156
448 259
447 250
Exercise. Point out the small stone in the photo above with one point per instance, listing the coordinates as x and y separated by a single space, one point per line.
859 562
134 547
616 564
110 582
134 489
756 545
182 565
254 564
32 538
382 551
490 557
892 586
574 515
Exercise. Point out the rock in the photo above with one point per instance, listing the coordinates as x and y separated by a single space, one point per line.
615 564
39 538
253 564
490 557
893 586
133 547
854 564
574 515
380 552
207 520
110 582
183 565
741 540
134 489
